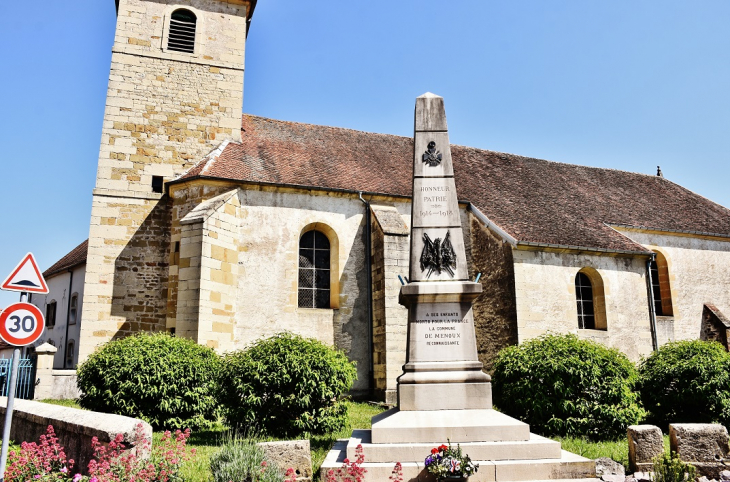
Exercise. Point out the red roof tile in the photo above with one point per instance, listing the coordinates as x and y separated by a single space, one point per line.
534 200
76 257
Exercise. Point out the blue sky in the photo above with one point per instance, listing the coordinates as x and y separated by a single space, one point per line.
624 84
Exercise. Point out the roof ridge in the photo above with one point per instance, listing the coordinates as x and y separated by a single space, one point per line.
451 144
327 127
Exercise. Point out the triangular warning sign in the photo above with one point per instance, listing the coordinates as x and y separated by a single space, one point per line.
26 277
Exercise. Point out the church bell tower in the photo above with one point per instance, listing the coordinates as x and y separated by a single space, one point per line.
175 93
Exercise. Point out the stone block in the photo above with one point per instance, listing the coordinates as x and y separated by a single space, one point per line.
645 443
704 445
294 454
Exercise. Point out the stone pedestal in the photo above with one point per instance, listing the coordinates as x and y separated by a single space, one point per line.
44 371
645 443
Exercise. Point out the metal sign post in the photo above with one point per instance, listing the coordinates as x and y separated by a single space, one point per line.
9 411
21 324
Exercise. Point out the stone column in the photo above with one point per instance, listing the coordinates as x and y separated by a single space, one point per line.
44 371
442 370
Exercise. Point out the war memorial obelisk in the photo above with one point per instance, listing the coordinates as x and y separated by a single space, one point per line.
443 395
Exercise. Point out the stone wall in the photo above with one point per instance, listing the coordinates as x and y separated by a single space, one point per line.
495 311
715 326
699 273
545 298
165 110
74 427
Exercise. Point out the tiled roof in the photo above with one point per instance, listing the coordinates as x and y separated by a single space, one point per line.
76 257
533 200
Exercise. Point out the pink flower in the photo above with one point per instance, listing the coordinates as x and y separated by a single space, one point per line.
77 477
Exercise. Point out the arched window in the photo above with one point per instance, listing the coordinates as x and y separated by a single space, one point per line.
181 36
73 309
314 270
70 354
590 300
584 300
660 286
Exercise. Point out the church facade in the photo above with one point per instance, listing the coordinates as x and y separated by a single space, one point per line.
227 228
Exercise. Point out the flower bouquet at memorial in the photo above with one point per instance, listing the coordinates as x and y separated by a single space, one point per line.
450 464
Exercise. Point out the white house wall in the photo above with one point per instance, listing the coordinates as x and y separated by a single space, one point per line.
58 286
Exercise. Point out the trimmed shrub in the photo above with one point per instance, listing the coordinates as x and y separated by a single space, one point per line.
164 380
286 385
669 468
562 385
242 459
686 381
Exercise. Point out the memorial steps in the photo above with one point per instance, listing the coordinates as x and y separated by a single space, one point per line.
533 459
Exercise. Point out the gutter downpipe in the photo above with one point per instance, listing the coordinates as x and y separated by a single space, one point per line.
491 226
652 312
369 266
68 315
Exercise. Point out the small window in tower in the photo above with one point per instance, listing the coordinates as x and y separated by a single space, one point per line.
181 36
157 184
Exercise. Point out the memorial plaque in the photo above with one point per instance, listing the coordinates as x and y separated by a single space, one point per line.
441 332
434 203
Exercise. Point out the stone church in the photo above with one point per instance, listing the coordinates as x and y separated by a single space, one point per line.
226 228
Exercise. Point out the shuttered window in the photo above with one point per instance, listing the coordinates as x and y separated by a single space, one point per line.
181 36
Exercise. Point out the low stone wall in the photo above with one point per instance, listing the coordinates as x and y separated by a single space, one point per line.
74 428
63 385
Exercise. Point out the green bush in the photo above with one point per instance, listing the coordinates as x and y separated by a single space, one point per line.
241 459
164 380
562 385
286 385
686 381
669 468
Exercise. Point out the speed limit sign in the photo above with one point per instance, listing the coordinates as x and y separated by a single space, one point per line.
21 324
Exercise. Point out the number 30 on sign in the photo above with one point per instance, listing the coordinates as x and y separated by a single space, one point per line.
21 324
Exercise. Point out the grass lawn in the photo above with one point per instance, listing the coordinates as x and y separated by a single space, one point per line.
206 442
617 450
72 403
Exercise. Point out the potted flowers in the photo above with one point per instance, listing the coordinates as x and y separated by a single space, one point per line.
449 464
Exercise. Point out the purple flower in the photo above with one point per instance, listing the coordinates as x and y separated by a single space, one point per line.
77 477
64 470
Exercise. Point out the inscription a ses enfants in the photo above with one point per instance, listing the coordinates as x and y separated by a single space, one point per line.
441 328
